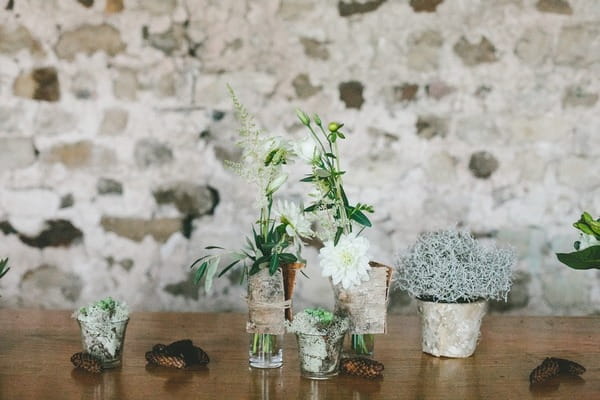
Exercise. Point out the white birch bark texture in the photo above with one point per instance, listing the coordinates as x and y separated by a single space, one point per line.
266 303
450 329
366 304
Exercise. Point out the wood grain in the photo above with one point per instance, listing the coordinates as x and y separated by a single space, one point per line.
35 347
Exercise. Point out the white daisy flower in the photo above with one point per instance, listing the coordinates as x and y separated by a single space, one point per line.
307 150
291 215
348 262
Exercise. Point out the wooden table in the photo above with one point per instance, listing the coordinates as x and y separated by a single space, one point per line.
35 348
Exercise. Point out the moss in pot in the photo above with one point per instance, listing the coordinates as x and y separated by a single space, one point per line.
452 276
320 336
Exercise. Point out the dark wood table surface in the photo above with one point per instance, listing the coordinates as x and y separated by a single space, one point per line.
35 348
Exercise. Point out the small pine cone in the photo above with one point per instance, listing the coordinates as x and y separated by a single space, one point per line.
159 348
87 362
549 368
363 367
200 356
569 367
165 360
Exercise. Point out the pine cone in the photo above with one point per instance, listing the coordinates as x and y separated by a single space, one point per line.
569 367
363 367
165 360
549 368
87 362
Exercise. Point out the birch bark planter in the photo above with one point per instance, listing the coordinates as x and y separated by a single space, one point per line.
366 304
450 329
269 303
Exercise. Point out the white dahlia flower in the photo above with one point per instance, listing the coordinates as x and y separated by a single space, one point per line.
348 262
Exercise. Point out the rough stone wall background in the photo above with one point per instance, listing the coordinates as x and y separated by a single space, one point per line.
114 121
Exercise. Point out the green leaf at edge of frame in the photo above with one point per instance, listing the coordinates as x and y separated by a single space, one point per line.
588 258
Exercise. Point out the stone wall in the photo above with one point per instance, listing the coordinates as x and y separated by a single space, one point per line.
114 121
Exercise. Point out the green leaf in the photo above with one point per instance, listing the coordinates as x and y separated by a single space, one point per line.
338 235
198 260
274 264
359 217
227 268
310 178
213 247
3 267
287 258
344 198
311 208
200 273
322 173
341 135
330 155
584 259
211 270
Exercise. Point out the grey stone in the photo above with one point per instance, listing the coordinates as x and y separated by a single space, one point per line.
483 164
304 89
575 96
430 126
534 47
16 153
67 201
518 297
125 85
127 264
566 290
314 48
475 54
554 6
136 229
54 120
56 233
14 40
189 198
406 92
109 186
86 3
351 93
151 152
52 285
578 173
83 85
39 84
114 121
186 288
348 8
159 7
578 45
169 41
424 50
425 5
89 39
438 89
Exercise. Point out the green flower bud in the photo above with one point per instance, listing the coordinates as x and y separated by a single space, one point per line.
303 117
317 119
334 126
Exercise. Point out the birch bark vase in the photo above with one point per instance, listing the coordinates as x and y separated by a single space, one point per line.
266 303
366 304
450 329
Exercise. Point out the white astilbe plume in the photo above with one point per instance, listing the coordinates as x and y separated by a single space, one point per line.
290 214
451 266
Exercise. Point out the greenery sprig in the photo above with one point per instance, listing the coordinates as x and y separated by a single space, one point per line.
327 177
587 254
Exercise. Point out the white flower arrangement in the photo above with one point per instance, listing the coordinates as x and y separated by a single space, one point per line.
276 237
345 255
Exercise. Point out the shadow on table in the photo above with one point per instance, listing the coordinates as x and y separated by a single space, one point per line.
177 379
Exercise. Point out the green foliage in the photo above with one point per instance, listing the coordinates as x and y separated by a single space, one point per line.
327 175
587 254
104 310
324 316
3 267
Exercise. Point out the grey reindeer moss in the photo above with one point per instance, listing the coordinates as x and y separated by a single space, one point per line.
451 266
